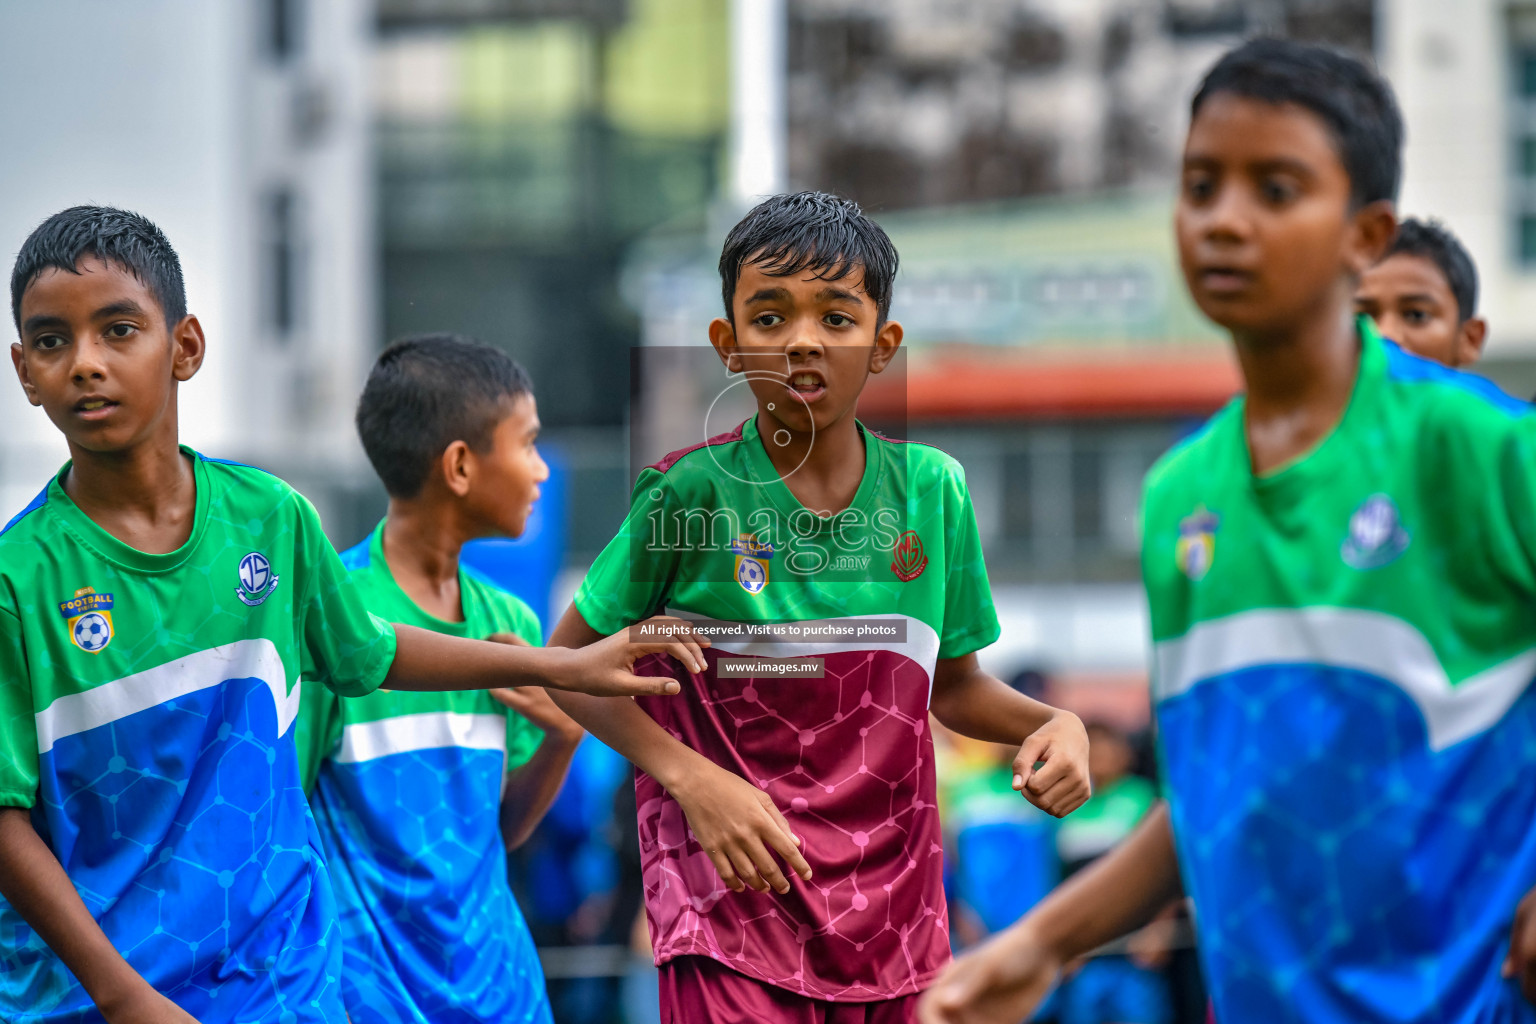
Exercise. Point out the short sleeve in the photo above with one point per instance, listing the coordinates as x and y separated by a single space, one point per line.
345 646
630 578
970 620
317 730
18 724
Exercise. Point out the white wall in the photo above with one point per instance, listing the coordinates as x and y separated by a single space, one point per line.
1448 61
171 108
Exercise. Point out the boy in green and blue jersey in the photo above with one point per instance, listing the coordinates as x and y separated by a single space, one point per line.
1341 573
158 861
418 796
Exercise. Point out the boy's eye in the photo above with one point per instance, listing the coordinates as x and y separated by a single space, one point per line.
1415 316
767 320
1277 192
120 330
838 320
1199 187
47 342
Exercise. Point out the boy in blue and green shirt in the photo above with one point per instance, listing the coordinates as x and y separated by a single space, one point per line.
158 861
1341 574
418 796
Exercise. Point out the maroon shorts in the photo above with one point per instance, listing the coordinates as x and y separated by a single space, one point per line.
698 990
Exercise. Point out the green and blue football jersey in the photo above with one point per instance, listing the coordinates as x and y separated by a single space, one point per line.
1343 652
406 789
146 712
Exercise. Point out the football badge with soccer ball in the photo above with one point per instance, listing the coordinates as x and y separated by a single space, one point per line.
89 616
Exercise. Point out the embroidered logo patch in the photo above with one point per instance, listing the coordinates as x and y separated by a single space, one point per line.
752 574
907 558
1196 546
257 580
1376 535
89 615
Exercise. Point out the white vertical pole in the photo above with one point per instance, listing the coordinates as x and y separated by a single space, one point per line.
758 160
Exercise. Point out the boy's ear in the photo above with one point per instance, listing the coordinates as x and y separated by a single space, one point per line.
1372 229
189 348
722 335
457 466
1471 336
887 341
21 375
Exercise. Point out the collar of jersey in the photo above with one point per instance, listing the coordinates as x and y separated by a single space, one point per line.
763 470
1303 469
426 620
84 529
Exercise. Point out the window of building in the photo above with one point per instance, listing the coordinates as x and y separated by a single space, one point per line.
282 259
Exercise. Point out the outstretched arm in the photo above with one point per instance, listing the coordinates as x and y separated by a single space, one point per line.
1005 979
977 704
425 660
735 822
33 881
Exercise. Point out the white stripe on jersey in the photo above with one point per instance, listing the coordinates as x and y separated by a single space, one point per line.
368 741
1345 638
255 658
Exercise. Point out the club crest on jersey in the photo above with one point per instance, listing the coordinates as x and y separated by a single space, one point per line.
89 615
751 573
1196 546
257 580
907 558
1376 535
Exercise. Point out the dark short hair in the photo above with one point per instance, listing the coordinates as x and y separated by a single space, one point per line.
127 239
426 392
1431 240
811 231
1353 101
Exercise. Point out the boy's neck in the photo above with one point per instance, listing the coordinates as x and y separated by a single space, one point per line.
823 474
422 540
1299 382
144 495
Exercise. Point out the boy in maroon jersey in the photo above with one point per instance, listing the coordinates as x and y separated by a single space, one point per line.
848 575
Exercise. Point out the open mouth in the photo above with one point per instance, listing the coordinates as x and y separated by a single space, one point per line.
808 385
95 407
1225 280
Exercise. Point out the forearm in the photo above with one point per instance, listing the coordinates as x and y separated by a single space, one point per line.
981 706
1115 895
620 723
425 660
34 882
533 787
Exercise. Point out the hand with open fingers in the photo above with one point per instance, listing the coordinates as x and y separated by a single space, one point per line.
741 830
1060 784
999 982
1521 961
606 668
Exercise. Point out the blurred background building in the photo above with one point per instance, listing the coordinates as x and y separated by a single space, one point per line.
555 176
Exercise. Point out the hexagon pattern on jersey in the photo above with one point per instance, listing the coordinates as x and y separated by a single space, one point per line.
1341 869
849 757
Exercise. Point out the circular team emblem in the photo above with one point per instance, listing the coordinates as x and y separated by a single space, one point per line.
1376 534
92 632
257 580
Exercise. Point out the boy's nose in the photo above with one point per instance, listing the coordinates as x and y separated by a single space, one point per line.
88 364
806 344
